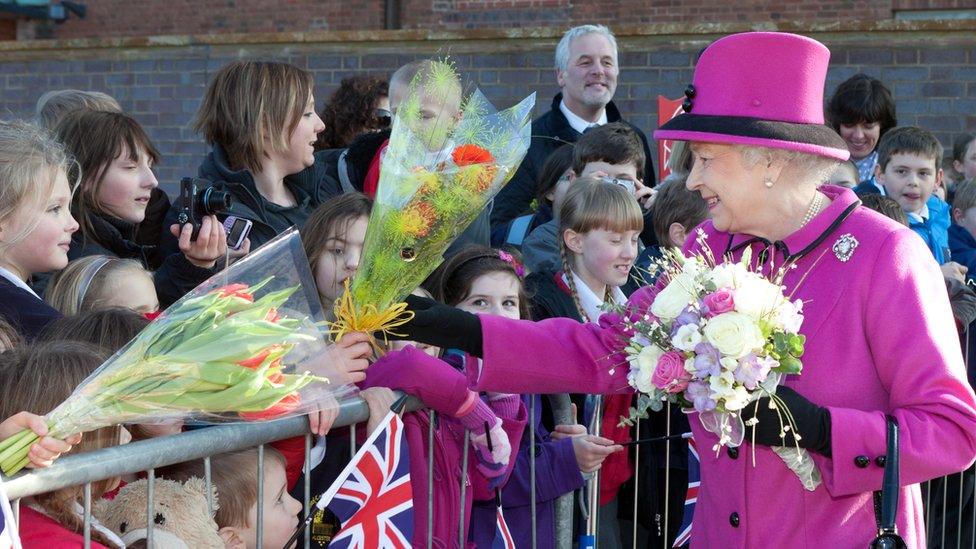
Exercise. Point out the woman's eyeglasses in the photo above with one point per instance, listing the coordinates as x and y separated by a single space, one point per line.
383 118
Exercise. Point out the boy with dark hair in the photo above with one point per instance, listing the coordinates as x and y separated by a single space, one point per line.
677 211
612 151
614 147
909 169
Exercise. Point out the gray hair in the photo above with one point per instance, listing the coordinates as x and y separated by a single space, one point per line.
562 49
56 104
817 167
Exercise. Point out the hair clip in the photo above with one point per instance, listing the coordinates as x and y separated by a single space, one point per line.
510 259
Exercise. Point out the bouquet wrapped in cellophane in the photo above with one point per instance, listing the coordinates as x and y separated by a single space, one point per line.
716 338
243 346
446 159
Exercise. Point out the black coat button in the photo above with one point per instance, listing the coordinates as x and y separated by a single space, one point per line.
734 519
732 452
687 105
880 461
862 461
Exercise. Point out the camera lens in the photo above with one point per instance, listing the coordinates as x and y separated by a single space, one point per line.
213 202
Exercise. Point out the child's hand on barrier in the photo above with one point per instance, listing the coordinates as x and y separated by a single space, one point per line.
379 400
568 430
321 419
47 449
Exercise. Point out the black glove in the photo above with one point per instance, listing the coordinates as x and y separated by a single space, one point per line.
812 422
437 324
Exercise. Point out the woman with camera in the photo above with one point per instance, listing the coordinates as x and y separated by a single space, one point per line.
114 172
259 117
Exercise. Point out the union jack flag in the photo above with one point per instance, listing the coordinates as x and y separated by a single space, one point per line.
372 497
694 481
503 538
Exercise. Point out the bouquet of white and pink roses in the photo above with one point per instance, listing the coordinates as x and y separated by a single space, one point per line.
717 338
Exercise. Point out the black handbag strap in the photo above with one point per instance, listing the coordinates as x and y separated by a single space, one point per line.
886 500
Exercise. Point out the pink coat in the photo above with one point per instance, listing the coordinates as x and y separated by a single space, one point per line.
880 340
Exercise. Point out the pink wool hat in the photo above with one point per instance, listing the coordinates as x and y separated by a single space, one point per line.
759 88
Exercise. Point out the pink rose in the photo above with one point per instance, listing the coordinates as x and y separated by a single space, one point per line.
670 374
718 302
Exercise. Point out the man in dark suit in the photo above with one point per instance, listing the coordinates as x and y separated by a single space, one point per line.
586 70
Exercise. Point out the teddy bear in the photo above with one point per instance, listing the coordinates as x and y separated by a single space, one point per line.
180 516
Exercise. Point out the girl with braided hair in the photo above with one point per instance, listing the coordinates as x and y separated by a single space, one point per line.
598 233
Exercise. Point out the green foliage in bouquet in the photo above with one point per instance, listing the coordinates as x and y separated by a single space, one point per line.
439 172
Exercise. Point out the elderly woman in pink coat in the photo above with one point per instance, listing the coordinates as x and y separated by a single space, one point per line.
879 331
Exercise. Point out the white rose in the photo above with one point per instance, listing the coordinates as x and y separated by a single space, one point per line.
722 276
728 275
734 334
756 296
687 337
674 298
644 365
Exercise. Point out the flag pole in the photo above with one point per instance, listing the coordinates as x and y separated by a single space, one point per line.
395 408
498 492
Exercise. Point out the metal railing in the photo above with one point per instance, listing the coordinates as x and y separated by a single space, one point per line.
949 502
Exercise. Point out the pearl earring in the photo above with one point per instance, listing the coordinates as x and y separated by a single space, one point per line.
769 183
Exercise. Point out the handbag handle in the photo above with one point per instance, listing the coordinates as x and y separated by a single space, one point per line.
888 537
890 488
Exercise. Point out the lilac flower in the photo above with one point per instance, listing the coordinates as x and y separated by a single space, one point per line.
699 394
707 361
753 370
688 316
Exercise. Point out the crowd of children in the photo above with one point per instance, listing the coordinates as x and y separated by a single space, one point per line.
90 250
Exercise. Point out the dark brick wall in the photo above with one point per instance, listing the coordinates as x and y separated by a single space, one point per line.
110 18
931 72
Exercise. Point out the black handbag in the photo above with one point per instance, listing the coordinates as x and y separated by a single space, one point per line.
885 513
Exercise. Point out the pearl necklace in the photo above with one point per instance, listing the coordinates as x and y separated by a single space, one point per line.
815 205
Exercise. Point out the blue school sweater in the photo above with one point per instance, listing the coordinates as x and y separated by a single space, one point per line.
934 229
963 248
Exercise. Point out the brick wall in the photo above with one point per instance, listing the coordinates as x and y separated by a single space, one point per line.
931 69
155 17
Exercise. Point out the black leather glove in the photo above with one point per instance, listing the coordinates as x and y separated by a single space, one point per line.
812 422
442 326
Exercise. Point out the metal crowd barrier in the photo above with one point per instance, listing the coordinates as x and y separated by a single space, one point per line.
949 502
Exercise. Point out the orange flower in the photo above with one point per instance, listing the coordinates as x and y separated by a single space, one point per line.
417 219
273 315
234 290
282 408
466 155
258 359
